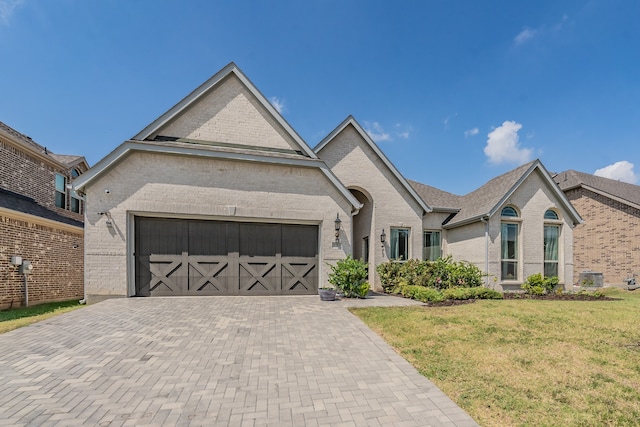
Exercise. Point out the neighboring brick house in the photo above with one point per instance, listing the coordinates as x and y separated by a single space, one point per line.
220 196
609 240
41 221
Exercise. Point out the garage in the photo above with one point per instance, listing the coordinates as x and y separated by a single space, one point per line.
180 257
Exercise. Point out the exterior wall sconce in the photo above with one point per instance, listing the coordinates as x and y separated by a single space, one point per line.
336 226
383 237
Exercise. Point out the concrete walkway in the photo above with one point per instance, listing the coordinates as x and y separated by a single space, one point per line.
228 361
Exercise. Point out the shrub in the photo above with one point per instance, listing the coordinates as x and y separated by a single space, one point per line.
486 293
537 284
440 274
458 293
420 293
350 277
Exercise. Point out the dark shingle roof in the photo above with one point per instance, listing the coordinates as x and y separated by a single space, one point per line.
435 197
483 200
65 159
20 203
570 179
21 137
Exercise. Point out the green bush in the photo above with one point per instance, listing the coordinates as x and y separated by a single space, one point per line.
420 293
486 293
458 293
350 277
537 284
440 274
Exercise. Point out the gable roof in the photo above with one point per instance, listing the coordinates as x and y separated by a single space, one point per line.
206 87
623 192
367 139
218 152
488 199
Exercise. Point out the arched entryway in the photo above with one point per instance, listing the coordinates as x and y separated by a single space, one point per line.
363 236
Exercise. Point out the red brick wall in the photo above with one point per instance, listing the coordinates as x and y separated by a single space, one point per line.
57 267
609 240
24 174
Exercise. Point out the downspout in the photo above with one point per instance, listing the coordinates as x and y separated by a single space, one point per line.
485 220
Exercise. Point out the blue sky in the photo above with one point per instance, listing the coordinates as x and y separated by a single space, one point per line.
454 92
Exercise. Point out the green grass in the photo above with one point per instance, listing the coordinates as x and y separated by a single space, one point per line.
526 362
17 317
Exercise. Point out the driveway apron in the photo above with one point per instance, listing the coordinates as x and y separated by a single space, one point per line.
202 361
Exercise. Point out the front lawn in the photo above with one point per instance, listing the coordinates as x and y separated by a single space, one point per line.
526 362
23 316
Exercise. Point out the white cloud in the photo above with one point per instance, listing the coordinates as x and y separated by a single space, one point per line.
278 104
403 131
503 145
525 35
471 132
620 171
543 31
376 132
7 7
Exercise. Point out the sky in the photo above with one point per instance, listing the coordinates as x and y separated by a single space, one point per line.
453 92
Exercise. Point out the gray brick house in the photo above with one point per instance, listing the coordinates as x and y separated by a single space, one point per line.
41 221
220 196
609 240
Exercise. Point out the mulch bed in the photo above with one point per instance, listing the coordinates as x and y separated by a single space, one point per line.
560 297
513 295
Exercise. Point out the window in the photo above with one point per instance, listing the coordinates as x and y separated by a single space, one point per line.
551 244
509 245
431 245
551 240
549 214
61 191
400 243
75 202
509 212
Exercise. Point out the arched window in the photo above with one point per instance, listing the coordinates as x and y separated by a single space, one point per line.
509 231
509 211
550 214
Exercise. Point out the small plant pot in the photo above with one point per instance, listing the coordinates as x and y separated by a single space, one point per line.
327 294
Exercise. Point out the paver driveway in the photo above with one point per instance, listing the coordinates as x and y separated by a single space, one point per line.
213 361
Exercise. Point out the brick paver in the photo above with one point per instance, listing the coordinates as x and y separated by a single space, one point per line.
228 361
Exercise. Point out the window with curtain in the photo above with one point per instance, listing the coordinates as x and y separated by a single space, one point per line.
551 245
431 245
509 251
400 244
61 191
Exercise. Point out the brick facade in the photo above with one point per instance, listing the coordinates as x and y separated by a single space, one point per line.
56 256
33 227
608 242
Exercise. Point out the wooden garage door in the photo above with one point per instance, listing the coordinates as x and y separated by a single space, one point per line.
196 257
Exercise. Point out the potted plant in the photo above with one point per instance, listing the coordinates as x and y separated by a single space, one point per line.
327 294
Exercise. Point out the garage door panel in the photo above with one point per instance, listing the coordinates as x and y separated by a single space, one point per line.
168 274
209 275
202 257
258 276
299 276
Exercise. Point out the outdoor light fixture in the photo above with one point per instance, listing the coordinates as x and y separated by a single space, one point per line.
336 225
383 237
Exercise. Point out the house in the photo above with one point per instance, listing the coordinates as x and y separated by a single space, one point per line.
41 221
609 241
515 225
220 196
